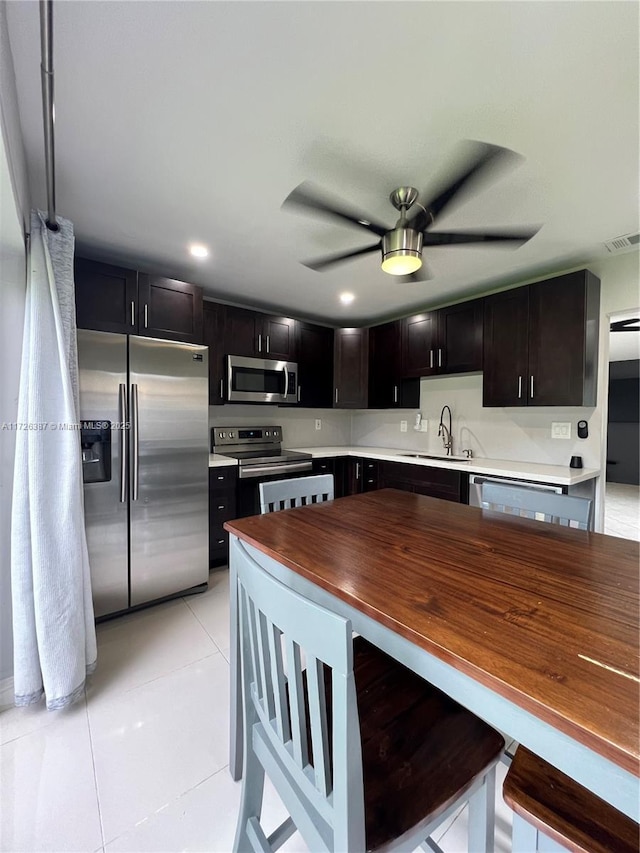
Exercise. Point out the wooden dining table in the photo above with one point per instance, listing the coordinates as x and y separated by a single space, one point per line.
532 626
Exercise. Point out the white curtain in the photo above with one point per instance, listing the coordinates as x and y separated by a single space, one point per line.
53 625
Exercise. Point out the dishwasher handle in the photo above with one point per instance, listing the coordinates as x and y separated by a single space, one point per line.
476 482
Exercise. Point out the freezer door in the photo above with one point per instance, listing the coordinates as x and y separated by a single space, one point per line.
169 471
102 360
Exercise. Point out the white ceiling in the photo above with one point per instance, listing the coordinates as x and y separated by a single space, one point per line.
183 121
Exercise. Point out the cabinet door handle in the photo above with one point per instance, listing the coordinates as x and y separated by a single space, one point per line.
430 358
357 470
267 343
221 476
336 395
259 343
221 506
220 541
222 389
519 387
299 392
146 315
133 313
532 387
395 393
439 357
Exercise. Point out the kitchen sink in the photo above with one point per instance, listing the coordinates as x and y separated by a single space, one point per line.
441 457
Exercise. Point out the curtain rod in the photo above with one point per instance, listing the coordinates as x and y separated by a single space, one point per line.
46 73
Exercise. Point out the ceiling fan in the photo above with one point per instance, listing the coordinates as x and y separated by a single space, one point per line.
401 246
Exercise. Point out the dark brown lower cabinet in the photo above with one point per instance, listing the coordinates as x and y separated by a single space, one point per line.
335 465
222 507
423 480
361 475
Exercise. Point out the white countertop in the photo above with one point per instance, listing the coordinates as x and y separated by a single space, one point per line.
557 474
217 460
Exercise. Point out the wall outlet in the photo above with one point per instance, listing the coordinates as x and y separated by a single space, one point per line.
403 426
560 430
318 423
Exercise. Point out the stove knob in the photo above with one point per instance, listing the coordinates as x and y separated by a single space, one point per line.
222 435
267 433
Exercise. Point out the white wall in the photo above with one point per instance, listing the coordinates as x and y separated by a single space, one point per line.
298 425
14 210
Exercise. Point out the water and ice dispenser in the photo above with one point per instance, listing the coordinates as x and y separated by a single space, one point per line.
95 437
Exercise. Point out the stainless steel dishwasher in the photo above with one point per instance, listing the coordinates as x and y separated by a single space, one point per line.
476 481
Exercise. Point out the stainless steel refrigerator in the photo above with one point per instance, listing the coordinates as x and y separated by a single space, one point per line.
144 407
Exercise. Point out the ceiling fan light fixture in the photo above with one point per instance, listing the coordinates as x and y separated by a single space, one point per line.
401 251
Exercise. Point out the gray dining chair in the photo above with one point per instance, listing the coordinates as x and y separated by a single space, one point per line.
552 812
274 496
565 510
363 753
298 491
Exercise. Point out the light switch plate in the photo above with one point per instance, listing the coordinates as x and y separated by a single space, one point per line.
318 423
560 430
403 426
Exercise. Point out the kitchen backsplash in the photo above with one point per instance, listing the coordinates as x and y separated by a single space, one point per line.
523 435
298 425
520 434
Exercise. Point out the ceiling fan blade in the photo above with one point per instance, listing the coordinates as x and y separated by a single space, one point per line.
458 238
423 274
330 260
310 197
480 158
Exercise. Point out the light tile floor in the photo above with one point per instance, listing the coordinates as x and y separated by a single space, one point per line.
622 510
140 763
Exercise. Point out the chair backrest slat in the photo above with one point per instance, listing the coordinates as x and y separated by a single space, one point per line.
319 730
566 510
298 491
296 704
278 680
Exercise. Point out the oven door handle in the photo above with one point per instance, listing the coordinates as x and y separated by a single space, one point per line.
253 471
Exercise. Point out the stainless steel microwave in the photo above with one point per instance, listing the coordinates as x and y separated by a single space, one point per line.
261 380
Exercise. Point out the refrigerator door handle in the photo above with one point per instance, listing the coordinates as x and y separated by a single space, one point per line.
135 436
124 443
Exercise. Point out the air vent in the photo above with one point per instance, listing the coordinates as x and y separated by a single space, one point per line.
621 244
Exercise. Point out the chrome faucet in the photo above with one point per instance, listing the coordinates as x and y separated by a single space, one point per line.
447 438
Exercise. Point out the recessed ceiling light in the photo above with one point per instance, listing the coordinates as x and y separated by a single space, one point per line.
198 250
346 298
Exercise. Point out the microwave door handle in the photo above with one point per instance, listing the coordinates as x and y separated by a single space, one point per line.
286 382
229 377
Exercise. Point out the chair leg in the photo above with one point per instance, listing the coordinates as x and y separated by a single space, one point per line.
482 815
250 802
524 836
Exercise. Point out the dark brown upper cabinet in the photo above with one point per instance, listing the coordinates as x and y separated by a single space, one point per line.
112 299
106 297
169 309
460 337
213 334
445 341
419 341
351 368
315 366
387 387
251 333
541 343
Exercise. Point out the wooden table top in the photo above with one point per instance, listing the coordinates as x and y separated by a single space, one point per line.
544 615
